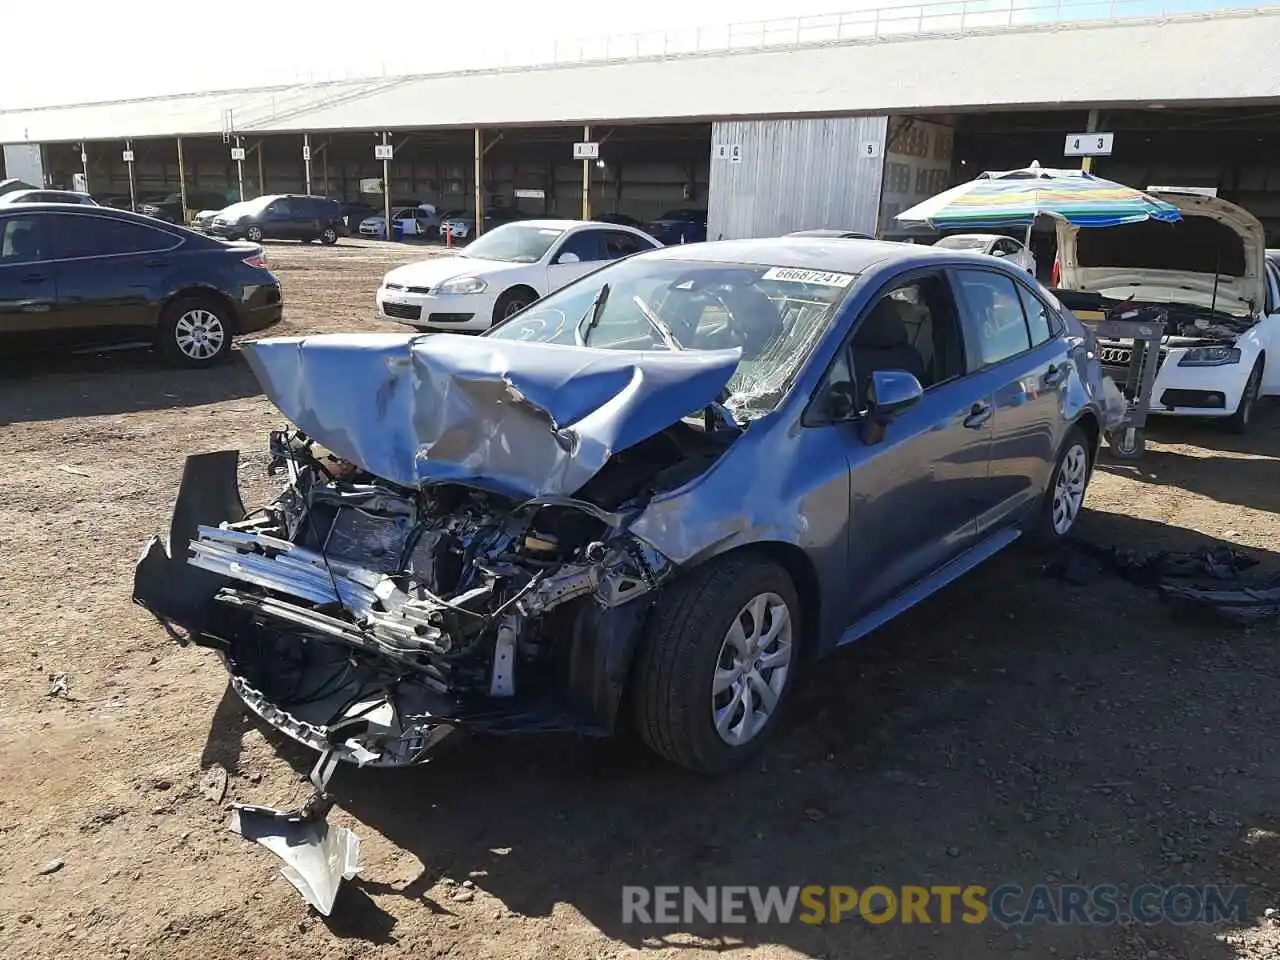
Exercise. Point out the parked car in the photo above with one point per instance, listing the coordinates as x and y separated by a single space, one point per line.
169 207
72 275
12 184
462 226
680 226
619 218
353 213
832 234
116 202
502 272
419 220
1211 274
280 217
203 220
47 196
665 487
993 245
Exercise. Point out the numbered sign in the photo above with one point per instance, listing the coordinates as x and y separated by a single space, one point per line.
306 153
871 148
586 151
237 153
384 151
1088 145
128 156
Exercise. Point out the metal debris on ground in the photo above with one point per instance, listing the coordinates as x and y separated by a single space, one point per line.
1208 578
214 784
59 685
74 471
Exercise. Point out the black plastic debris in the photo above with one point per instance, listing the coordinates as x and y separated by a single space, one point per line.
1209 578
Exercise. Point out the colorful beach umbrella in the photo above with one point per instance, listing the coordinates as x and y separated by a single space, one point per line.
1014 198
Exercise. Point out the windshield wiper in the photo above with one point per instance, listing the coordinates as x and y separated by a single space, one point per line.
655 321
592 316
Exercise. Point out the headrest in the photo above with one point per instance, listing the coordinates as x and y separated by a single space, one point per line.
882 328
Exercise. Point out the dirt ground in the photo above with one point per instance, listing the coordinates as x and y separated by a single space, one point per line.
1014 729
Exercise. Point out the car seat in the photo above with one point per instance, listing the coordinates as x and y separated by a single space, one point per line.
883 343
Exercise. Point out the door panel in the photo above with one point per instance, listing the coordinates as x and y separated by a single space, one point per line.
1004 319
109 272
588 246
28 293
1270 333
917 493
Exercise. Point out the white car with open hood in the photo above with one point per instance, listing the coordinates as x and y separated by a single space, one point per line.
1221 349
503 272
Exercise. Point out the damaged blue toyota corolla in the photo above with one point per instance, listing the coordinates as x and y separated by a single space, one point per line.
666 485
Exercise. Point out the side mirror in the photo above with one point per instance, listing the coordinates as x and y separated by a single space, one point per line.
888 394
892 391
568 257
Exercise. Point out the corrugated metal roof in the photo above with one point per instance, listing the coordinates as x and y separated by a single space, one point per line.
1195 59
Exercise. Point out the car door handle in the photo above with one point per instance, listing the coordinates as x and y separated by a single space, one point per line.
155 263
33 306
1055 374
35 278
979 414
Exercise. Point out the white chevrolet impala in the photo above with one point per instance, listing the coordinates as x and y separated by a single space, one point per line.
502 272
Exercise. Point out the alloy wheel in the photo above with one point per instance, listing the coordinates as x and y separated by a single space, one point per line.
1068 491
751 670
199 334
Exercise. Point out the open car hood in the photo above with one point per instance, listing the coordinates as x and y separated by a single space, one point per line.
519 418
1172 262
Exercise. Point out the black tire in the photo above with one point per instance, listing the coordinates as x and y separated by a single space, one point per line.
1045 531
253 233
1242 419
512 301
329 236
681 651
195 332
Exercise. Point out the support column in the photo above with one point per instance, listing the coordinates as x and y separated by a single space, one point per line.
386 192
262 175
586 178
84 164
182 182
306 159
240 169
1086 163
479 183
133 190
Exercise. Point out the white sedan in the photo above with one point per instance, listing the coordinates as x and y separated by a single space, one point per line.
502 272
419 221
993 245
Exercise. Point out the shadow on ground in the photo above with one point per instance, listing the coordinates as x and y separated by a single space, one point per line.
1247 479
46 386
993 735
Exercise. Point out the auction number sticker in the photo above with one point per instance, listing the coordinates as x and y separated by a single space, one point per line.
820 277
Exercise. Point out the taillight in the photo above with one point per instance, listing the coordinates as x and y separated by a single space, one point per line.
1056 277
257 260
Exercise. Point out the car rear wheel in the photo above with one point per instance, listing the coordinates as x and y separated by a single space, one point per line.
195 332
716 662
1242 419
512 302
329 236
1064 499
254 233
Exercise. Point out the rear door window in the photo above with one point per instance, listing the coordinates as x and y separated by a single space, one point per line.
1039 320
994 310
76 236
585 244
21 240
618 243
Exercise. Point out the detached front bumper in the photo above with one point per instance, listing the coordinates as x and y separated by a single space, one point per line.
465 312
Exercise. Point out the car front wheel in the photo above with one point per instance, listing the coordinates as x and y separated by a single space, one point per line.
716 662
254 233
1242 419
329 237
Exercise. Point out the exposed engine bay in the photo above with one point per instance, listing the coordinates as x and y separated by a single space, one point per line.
372 620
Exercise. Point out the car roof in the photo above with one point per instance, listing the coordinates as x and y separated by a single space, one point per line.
975 236
88 211
831 232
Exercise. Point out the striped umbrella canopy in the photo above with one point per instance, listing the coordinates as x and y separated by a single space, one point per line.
1014 198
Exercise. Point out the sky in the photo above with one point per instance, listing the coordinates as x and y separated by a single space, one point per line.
164 47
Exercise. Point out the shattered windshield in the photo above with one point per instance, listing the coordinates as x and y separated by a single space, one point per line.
514 242
775 315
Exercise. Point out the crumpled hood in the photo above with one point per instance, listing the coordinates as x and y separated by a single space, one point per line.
1155 281
520 418
428 273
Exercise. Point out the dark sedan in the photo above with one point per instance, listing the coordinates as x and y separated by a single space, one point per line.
169 207
74 275
679 226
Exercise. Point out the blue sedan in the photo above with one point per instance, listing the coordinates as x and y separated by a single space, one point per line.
668 483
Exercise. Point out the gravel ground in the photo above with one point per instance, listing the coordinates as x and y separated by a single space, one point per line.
1015 729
